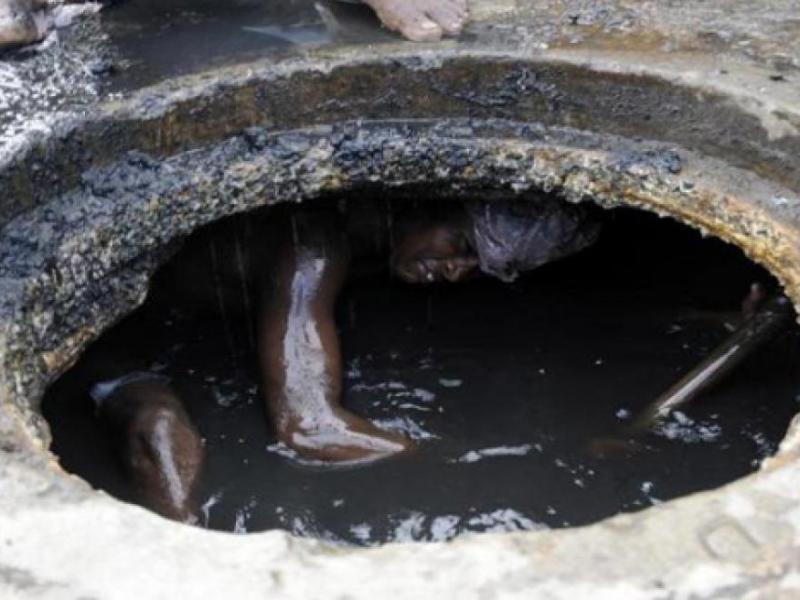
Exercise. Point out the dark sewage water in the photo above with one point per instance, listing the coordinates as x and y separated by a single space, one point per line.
504 386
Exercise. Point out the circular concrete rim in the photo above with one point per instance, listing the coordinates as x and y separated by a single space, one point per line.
741 537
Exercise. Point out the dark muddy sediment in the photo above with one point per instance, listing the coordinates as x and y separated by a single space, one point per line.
504 386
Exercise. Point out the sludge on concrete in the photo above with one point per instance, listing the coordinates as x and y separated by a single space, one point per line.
78 249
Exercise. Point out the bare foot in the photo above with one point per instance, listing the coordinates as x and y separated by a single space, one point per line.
340 437
421 20
158 445
17 25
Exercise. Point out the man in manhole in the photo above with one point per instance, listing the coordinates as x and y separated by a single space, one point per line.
298 263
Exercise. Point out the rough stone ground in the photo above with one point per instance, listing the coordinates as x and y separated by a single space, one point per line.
687 108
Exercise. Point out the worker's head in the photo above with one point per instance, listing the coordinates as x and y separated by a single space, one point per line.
434 244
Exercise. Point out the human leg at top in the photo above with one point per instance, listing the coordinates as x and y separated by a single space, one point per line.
299 355
421 20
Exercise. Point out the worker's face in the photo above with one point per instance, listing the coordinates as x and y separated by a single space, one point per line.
427 253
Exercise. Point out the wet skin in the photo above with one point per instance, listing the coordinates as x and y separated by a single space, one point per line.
300 271
158 445
299 349
421 20
431 252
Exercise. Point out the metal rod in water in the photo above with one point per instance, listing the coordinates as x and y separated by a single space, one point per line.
761 327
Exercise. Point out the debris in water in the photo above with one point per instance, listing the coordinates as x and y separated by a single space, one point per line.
476 455
282 449
240 523
504 520
764 447
444 528
683 428
424 395
409 406
225 400
409 529
361 532
353 369
386 386
396 390
646 488
206 507
449 383
406 426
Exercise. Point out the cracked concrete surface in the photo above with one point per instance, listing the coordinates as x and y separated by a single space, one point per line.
688 109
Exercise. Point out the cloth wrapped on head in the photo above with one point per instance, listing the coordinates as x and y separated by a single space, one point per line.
514 236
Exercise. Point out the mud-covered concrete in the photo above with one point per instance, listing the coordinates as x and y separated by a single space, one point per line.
681 108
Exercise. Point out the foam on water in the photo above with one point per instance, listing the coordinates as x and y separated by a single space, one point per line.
476 455
681 427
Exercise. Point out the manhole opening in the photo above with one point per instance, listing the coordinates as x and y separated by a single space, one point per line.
507 389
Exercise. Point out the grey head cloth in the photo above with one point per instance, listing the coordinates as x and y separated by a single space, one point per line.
512 237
